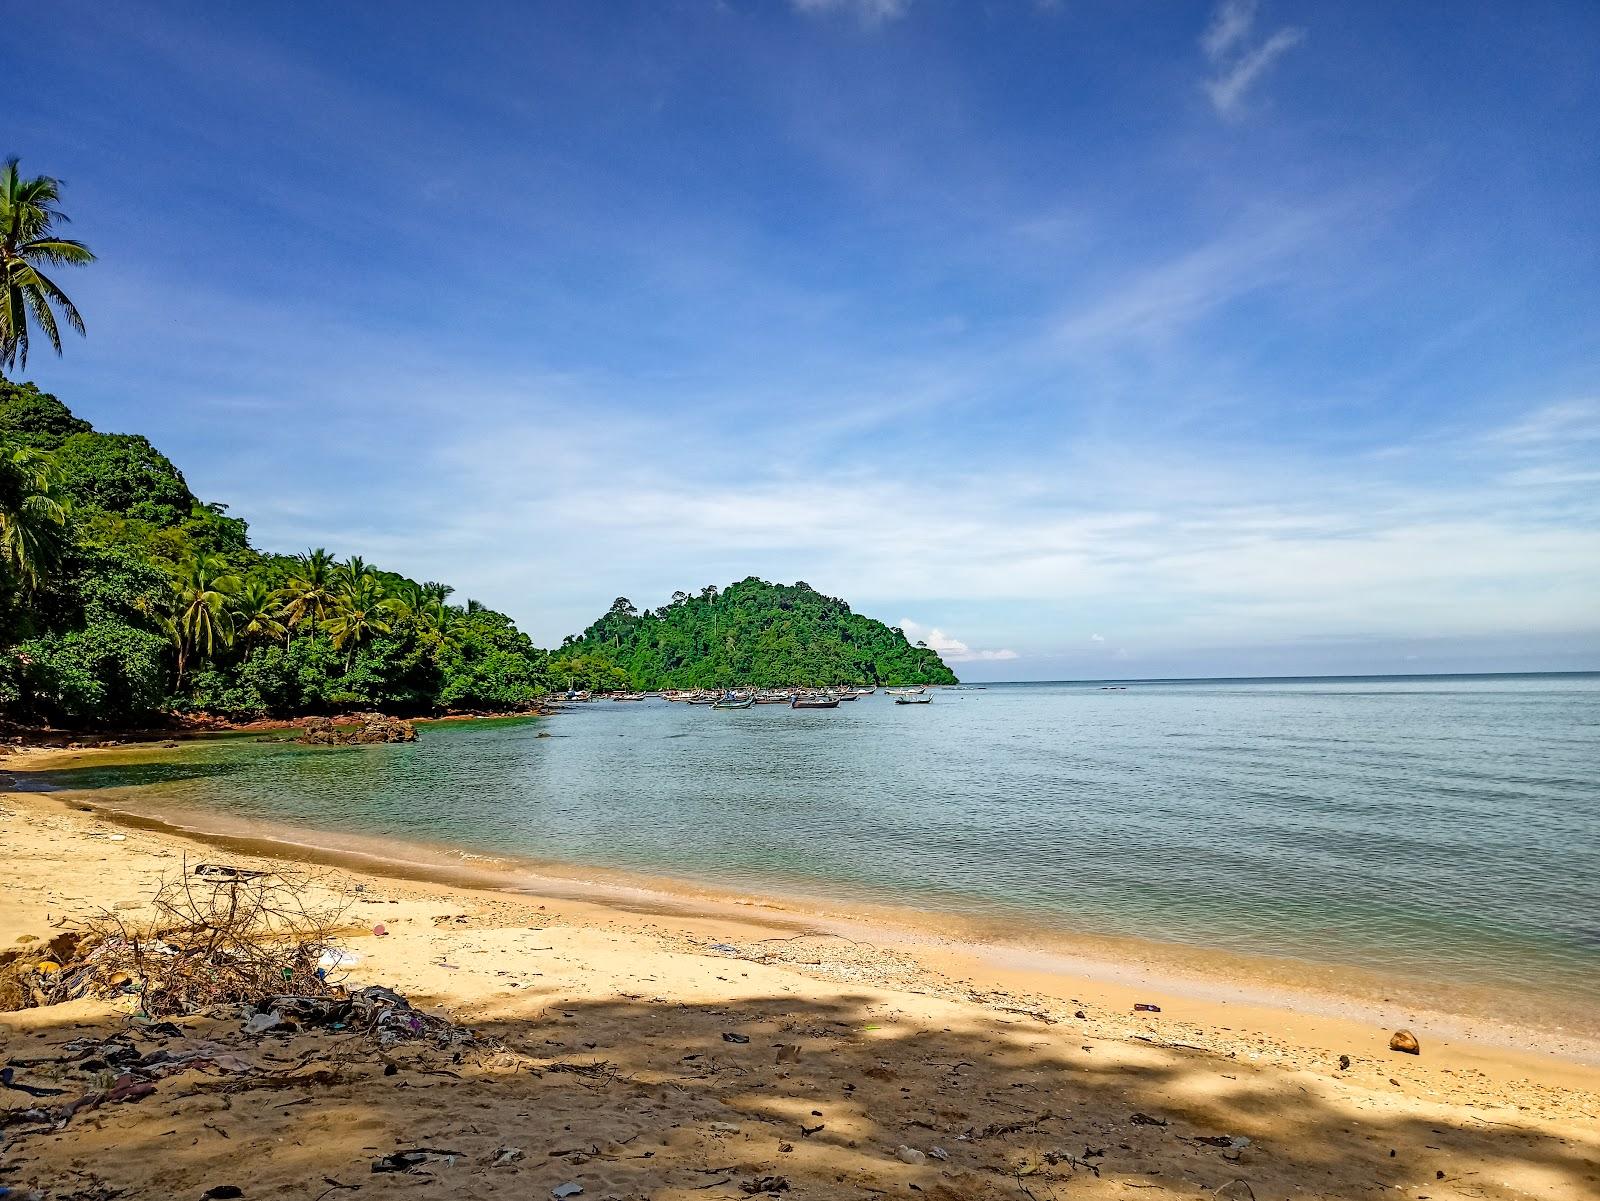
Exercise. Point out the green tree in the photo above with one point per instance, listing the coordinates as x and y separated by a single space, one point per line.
125 475
257 613
362 611
309 593
104 674
32 518
202 611
28 242
36 418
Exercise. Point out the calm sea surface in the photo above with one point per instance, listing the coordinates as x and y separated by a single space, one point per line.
1450 824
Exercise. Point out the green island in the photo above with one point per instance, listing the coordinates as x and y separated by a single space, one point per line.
757 634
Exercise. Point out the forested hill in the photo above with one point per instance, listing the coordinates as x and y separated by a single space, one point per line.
124 597
755 633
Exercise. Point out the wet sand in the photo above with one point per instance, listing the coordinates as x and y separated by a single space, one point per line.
908 1036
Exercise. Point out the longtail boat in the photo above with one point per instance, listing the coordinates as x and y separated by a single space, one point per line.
913 700
822 701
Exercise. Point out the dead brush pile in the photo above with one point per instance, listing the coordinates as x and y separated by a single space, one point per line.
214 936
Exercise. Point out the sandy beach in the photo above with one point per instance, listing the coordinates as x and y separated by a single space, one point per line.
731 1048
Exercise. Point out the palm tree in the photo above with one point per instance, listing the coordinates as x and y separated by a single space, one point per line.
32 520
256 610
28 214
352 573
203 616
363 611
309 594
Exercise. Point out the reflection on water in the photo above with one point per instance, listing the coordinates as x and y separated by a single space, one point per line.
1449 825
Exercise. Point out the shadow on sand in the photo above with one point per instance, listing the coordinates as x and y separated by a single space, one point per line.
634 1098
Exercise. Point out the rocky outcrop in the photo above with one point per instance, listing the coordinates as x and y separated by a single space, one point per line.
368 728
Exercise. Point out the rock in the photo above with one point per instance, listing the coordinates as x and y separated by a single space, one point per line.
1235 1190
1404 1040
910 1155
371 728
1344 1063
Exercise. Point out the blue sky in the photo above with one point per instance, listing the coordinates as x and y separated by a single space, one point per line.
1092 338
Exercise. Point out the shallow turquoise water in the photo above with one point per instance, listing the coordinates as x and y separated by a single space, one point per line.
1447 824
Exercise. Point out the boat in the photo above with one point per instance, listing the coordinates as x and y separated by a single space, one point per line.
816 701
917 691
913 700
774 698
733 701
848 696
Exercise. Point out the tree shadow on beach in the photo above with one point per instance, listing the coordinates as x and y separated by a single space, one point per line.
641 1098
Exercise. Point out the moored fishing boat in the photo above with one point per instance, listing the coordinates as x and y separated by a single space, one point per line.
822 700
733 700
917 691
913 700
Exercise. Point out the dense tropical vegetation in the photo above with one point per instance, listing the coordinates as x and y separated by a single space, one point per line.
122 596
755 633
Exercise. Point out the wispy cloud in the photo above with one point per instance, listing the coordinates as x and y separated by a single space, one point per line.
871 13
1236 64
1162 298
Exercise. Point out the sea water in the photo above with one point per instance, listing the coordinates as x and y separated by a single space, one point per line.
1446 825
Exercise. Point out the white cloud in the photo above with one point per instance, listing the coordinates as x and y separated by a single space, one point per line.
1230 24
1162 299
951 650
1237 66
1564 423
870 13
1096 638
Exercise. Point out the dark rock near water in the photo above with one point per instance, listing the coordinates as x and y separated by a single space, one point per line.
369 728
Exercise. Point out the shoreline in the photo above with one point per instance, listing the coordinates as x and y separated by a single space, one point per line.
1344 1002
621 1013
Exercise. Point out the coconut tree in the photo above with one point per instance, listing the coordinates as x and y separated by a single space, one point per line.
310 593
28 243
202 610
363 611
32 518
352 573
257 610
